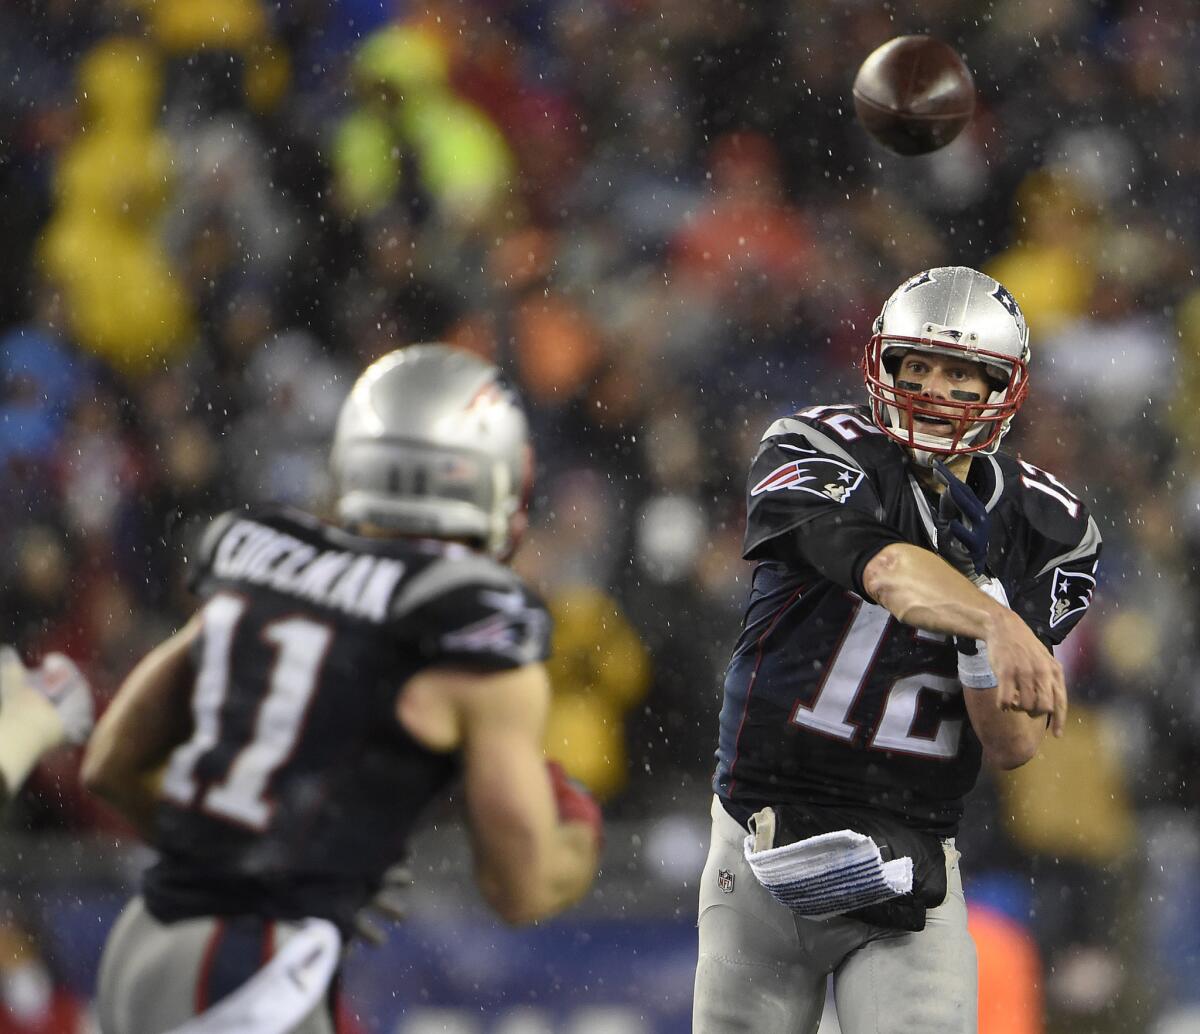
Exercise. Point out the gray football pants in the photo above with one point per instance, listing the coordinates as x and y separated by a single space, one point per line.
154 976
762 969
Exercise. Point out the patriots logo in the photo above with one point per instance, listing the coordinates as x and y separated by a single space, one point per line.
1002 295
917 281
513 630
1070 593
819 475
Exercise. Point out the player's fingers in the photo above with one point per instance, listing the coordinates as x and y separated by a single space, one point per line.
1027 697
398 876
390 906
369 931
1058 719
1043 699
1008 695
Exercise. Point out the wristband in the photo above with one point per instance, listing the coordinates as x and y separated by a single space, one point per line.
974 668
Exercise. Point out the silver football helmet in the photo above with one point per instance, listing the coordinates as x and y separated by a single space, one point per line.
431 442
962 313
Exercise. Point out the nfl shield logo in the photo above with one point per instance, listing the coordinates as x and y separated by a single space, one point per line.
725 881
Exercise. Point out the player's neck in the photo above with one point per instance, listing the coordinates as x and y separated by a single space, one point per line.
958 465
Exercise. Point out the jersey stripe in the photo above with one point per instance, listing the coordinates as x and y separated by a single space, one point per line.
790 425
204 976
775 618
1089 544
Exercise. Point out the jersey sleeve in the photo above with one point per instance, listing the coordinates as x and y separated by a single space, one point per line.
475 614
1063 547
809 501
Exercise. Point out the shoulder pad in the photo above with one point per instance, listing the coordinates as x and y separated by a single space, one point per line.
1054 512
450 572
466 609
846 432
802 471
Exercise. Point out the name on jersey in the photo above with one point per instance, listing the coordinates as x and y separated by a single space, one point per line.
820 475
358 584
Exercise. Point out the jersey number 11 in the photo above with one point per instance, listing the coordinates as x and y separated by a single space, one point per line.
300 646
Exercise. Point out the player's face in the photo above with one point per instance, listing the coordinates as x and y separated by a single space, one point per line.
941 377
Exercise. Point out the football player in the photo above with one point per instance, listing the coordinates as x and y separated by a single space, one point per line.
911 582
279 750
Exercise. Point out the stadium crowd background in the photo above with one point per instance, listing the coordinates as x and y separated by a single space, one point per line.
661 218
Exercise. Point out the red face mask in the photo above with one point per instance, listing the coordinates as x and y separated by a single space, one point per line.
977 423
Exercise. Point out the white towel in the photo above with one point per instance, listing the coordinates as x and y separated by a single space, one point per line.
825 875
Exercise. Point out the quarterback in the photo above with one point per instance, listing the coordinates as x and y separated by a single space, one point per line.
911 584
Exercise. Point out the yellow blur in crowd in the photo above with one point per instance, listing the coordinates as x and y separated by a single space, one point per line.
1070 801
1048 267
599 669
407 106
101 246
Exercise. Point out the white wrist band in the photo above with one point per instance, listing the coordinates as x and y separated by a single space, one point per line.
975 670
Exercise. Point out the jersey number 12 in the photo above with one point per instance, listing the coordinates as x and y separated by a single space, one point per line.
846 673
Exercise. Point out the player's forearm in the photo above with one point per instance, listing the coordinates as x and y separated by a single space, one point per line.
134 736
534 892
130 789
919 588
136 799
1009 738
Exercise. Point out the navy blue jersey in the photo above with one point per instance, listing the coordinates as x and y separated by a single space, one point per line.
828 699
298 787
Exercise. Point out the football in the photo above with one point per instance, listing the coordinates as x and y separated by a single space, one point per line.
914 94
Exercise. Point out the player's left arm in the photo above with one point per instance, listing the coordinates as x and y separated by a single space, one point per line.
147 719
1009 737
1063 547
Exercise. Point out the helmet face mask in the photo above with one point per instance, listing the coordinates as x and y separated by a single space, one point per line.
958 313
431 443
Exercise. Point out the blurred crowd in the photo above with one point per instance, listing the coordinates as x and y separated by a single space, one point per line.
660 217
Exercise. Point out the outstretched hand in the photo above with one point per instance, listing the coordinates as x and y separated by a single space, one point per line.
962 524
1028 676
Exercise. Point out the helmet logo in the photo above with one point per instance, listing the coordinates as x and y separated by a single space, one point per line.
1002 295
935 333
921 278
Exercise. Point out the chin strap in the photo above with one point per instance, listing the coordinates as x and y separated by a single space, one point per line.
922 458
